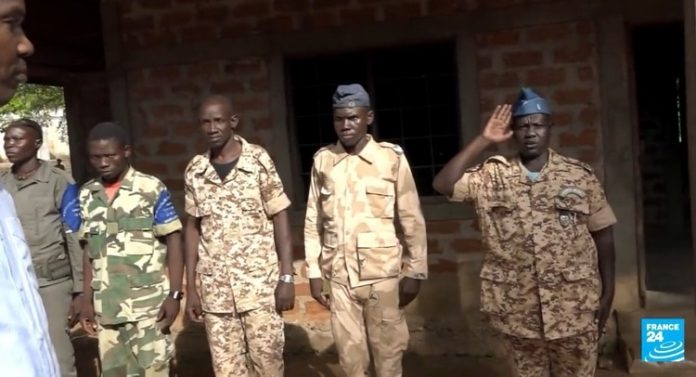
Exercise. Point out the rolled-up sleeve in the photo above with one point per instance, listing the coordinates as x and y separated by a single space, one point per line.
312 229
601 213
272 193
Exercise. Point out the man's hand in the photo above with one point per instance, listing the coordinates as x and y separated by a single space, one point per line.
75 310
87 317
316 289
497 130
603 313
408 290
193 306
168 313
285 296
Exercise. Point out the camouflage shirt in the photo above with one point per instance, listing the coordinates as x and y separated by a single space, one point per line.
540 276
238 264
126 246
354 201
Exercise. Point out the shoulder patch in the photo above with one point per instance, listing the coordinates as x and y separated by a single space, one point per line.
497 159
323 149
585 166
64 174
396 148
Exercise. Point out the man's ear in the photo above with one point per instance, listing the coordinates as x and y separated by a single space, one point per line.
234 121
370 117
127 151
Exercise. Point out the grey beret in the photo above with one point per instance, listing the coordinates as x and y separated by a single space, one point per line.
351 95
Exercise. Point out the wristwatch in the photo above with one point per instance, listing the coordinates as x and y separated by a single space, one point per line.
287 278
177 295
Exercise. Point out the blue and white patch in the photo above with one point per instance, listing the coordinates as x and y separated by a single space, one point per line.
70 209
164 209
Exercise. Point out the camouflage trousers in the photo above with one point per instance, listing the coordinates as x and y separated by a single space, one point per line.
246 344
575 356
134 349
369 314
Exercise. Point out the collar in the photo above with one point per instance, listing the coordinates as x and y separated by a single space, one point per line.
127 182
368 153
245 162
551 164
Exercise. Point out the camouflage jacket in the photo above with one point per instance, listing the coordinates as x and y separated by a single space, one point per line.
540 277
354 201
125 246
238 264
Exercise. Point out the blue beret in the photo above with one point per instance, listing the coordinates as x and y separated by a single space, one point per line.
529 103
352 95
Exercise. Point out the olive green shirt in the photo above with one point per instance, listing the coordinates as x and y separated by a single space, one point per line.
44 202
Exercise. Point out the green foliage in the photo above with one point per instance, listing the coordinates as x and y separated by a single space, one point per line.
42 103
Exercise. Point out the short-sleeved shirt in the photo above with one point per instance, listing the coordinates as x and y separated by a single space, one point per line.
237 265
540 275
354 204
46 203
126 246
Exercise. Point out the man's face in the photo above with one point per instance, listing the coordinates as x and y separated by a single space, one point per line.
351 124
532 134
21 143
14 47
218 123
108 157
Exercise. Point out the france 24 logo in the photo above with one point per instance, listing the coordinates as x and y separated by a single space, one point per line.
662 340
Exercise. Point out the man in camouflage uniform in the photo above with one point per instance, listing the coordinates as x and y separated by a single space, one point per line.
547 281
358 187
236 232
46 198
130 228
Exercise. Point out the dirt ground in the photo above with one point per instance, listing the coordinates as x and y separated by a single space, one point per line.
193 360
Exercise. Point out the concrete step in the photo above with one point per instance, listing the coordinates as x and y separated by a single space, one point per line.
629 334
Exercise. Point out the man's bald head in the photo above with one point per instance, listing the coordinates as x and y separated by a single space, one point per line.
217 100
217 120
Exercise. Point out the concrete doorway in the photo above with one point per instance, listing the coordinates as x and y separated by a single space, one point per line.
663 157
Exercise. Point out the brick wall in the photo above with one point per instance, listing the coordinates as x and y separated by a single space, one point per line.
559 60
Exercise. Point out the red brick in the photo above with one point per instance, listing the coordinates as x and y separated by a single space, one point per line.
203 69
552 32
572 96
166 111
175 19
252 9
354 16
165 73
212 13
588 155
262 124
545 76
499 80
498 3
154 131
444 266
170 148
498 38
434 246
277 23
402 11
159 38
174 184
574 54
442 6
186 88
183 128
486 105
586 137
291 5
302 289
237 28
466 245
313 307
484 61
155 4
522 59
259 85
319 4
585 73
138 23
147 92
319 20
143 150
443 227
246 67
584 28
562 118
588 116
198 33
250 103
230 86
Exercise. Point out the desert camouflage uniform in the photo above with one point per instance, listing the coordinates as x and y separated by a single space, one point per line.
129 279
238 264
353 203
540 282
46 203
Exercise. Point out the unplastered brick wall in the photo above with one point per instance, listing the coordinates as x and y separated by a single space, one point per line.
148 23
560 62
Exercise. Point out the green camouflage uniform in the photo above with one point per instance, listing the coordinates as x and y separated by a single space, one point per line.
128 267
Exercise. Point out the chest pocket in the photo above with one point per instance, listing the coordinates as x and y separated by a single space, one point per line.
327 200
571 215
502 217
380 198
253 216
137 231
